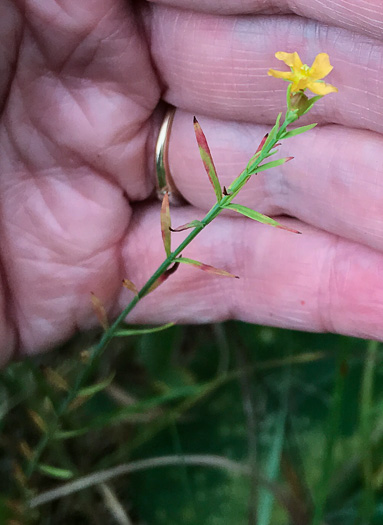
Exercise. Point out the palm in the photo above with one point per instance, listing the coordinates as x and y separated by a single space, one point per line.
74 128
76 141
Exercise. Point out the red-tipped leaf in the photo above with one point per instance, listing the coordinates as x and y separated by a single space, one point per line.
298 131
206 267
262 143
166 223
273 164
207 159
130 286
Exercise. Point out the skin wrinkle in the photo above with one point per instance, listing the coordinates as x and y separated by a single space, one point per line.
100 43
349 7
62 228
327 288
9 53
126 138
348 14
82 65
35 126
44 13
78 102
39 326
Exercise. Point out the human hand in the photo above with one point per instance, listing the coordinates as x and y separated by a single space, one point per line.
78 127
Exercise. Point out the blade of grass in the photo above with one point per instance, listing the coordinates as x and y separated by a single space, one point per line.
266 498
365 432
186 481
332 435
224 349
248 401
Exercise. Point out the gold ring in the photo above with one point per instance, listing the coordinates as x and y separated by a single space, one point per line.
165 181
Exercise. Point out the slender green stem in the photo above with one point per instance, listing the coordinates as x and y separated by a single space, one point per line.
209 217
97 350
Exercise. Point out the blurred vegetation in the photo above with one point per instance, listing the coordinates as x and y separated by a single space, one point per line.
218 424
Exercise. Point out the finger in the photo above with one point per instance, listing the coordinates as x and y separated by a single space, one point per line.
334 181
314 281
218 66
366 17
83 92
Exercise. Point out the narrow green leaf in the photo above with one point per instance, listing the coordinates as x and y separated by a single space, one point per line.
273 132
267 139
266 498
166 223
93 389
273 164
298 131
207 159
139 331
273 151
252 164
366 430
332 434
311 103
68 434
206 267
191 224
55 472
259 217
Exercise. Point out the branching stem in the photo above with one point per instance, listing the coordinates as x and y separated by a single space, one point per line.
235 187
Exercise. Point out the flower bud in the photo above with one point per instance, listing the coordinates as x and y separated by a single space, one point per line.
299 102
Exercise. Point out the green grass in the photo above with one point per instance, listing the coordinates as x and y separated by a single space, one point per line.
217 424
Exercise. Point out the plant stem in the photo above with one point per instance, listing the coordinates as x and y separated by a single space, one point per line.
209 217
108 335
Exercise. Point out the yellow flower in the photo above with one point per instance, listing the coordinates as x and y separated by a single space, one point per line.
302 76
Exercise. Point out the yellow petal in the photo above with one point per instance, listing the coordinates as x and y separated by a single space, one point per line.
321 67
299 84
290 59
286 75
321 88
